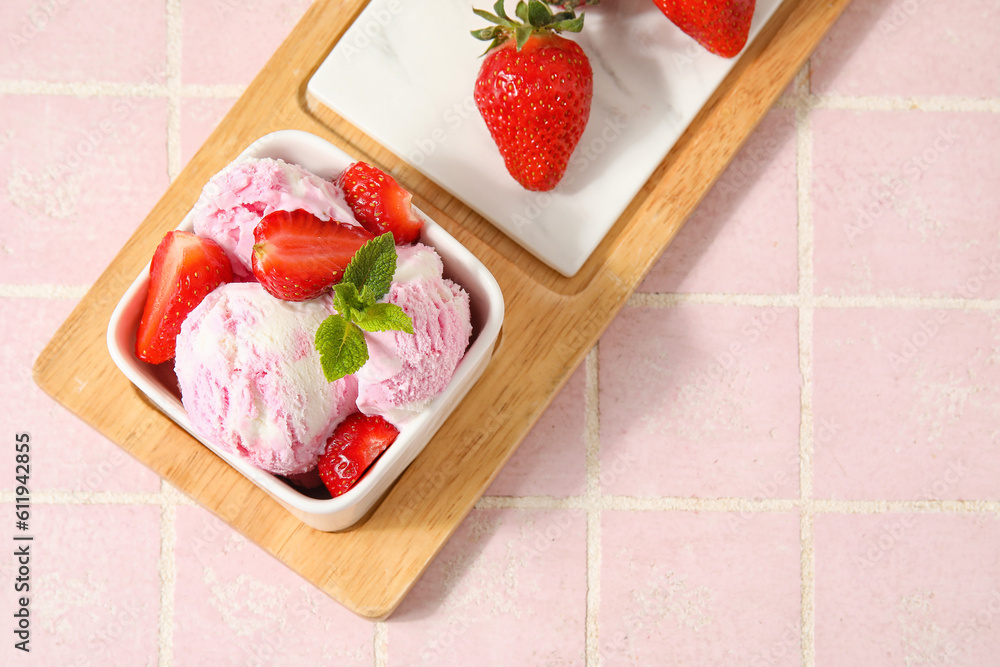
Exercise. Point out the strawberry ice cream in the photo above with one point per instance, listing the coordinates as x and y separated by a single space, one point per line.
235 200
251 379
405 371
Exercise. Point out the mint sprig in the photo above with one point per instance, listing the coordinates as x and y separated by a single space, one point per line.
340 338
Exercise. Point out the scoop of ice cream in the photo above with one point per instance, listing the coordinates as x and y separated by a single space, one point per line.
405 371
251 380
235 200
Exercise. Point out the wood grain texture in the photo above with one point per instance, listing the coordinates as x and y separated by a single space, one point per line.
550 325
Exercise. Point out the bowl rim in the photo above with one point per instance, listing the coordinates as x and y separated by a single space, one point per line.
323 157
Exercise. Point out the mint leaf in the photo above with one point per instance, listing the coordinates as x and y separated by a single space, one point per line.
340 339
342 347
373 266
385 317
347 301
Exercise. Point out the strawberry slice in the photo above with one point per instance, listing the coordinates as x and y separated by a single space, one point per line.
298 257
379 203
357 441
185 268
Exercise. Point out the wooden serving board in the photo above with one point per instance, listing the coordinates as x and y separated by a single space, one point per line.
551 321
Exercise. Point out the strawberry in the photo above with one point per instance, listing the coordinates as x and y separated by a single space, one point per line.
534 91
357 441
379 203
721 27
184 269
298 257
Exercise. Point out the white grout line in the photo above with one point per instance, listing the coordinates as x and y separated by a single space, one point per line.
168 525
380 643
88 498
168 582
592 440
672 299
174 60
741 505
804 171
929 103
111 89
43 291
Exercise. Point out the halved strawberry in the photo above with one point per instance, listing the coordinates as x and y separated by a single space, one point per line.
379 203
185 268
297 256
357 441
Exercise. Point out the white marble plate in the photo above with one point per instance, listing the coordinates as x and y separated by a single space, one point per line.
404 73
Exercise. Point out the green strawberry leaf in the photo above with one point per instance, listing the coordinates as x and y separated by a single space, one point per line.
537 14
342 347
385 317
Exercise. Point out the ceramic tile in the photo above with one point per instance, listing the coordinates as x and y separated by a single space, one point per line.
68 41
700 589
743 236
509 588
907 589
904 203
93 585
906 404
259 611
911 47
199 117
77 178
551 459
229 41
66 455
700 400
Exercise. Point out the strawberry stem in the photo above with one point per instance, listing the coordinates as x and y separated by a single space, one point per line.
533 17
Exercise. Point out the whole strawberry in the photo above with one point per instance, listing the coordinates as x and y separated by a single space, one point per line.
534 91
721 27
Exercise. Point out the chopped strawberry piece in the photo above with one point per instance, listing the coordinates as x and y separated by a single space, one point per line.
379 203
357 441
298 256
184 269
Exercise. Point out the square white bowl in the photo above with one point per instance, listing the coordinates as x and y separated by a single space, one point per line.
328 514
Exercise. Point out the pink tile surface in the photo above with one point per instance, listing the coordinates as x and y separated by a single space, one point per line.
907 589
904 203
911 47
742 239
67 455
551 460
199 116
909 404
508 589
229 41
700 401
78 176
259 612
65 40
893 214
699 589
93 593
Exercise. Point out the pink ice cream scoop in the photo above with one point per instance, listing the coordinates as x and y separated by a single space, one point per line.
251 380
405 371
235 200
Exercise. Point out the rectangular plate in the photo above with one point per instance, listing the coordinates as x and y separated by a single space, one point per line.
404 72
